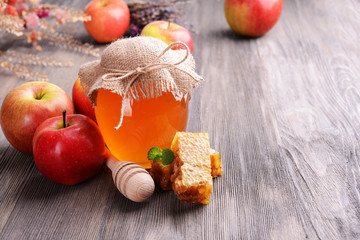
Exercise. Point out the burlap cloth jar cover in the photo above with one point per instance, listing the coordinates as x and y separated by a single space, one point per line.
137 65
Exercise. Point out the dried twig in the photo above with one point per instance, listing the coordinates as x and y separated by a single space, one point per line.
69 15
67 41
31 59
2 3
23 72
11 24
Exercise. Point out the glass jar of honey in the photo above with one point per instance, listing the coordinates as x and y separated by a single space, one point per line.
140 90
146 123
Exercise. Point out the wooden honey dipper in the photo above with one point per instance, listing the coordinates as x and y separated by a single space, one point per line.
132 180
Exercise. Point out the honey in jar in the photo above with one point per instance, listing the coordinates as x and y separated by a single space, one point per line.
140 90
146 123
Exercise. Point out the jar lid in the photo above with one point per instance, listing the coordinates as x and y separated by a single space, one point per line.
143 65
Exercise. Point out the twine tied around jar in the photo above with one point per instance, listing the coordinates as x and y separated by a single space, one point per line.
140 64
118 75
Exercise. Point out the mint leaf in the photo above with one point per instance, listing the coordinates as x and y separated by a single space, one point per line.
156 158
167 156
154 152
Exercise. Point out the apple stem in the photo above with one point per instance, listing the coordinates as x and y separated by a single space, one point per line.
64 118
169 22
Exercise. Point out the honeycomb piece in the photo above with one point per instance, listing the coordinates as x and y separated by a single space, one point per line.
216 169
192 181
161 174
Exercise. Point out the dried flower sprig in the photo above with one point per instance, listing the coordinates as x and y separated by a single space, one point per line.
23 72
63 14
29 17
142 13
59 39
11 24
2 3
67 41
32 59
34 22
15 62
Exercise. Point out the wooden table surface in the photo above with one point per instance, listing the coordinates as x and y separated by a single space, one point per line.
282 109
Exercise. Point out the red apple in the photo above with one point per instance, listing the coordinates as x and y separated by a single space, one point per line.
11 10
109 19
168 32
82 103
252 18
69 153
11 2
26 107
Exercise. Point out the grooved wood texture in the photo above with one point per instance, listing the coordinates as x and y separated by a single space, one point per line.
282 110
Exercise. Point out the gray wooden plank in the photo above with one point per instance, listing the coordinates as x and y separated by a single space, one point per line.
282 111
